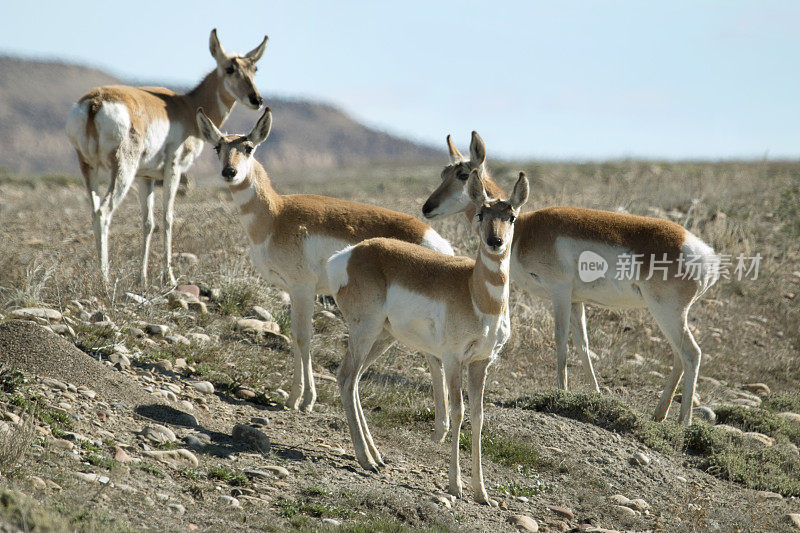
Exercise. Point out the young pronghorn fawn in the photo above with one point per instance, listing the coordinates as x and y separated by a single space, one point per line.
151 133
550 242
292 237
451 307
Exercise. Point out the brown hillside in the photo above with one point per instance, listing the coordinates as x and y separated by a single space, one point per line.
35 97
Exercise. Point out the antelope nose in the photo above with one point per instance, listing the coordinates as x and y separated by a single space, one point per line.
256 100
228 172
494 242
427 208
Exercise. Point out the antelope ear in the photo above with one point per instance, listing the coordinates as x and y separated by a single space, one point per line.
455 155
216 48
477 150
262 128
520 193
256 53
208 131
477 192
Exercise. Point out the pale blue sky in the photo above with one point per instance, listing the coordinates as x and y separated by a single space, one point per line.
556 79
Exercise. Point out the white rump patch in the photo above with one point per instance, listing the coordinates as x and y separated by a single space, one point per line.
436 242
336 269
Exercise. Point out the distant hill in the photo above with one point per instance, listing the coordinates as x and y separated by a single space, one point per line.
35 97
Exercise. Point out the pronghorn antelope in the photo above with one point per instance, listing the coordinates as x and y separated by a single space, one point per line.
452 307
292 237
544 260
151 133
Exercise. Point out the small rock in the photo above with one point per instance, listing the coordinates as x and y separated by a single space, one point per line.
282 393
619 499
135 298
92 478
706 414
230 501
252 437
331 522
177 339
260 420
729 429
206 387
794 518
197 306
176 302
89 393
179 458
163 365
268 471
186 258
120 359
794 417
761 389
253 325
198 338
193 442
640 504
37 482
245 393
523 523
186 405
563 511
695 399
29 313
284 297
177 509
758 438
261 314
441 500
99 316
157 330
191 290
54 384
180 364
640 459
158 434
624 510
135 332
121 455
768 495
63 329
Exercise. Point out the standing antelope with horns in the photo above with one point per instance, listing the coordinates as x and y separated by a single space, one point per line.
292 237
548 244
151 133
451 307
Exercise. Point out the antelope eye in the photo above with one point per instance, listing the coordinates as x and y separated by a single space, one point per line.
248 150
463 176
229 70
217 148
512 219
480 217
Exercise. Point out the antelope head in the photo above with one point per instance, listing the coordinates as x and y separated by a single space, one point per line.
451 196
235 152
494 218
237 71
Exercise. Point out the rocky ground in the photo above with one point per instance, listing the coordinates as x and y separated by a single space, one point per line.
162 408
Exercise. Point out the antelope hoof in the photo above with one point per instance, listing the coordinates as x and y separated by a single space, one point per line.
370 467
293 402
455 490
439 435
308 402
484 499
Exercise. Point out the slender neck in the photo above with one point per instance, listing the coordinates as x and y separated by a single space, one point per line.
213 97
255 196
489 281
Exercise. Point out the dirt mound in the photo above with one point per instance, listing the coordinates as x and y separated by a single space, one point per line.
33 349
